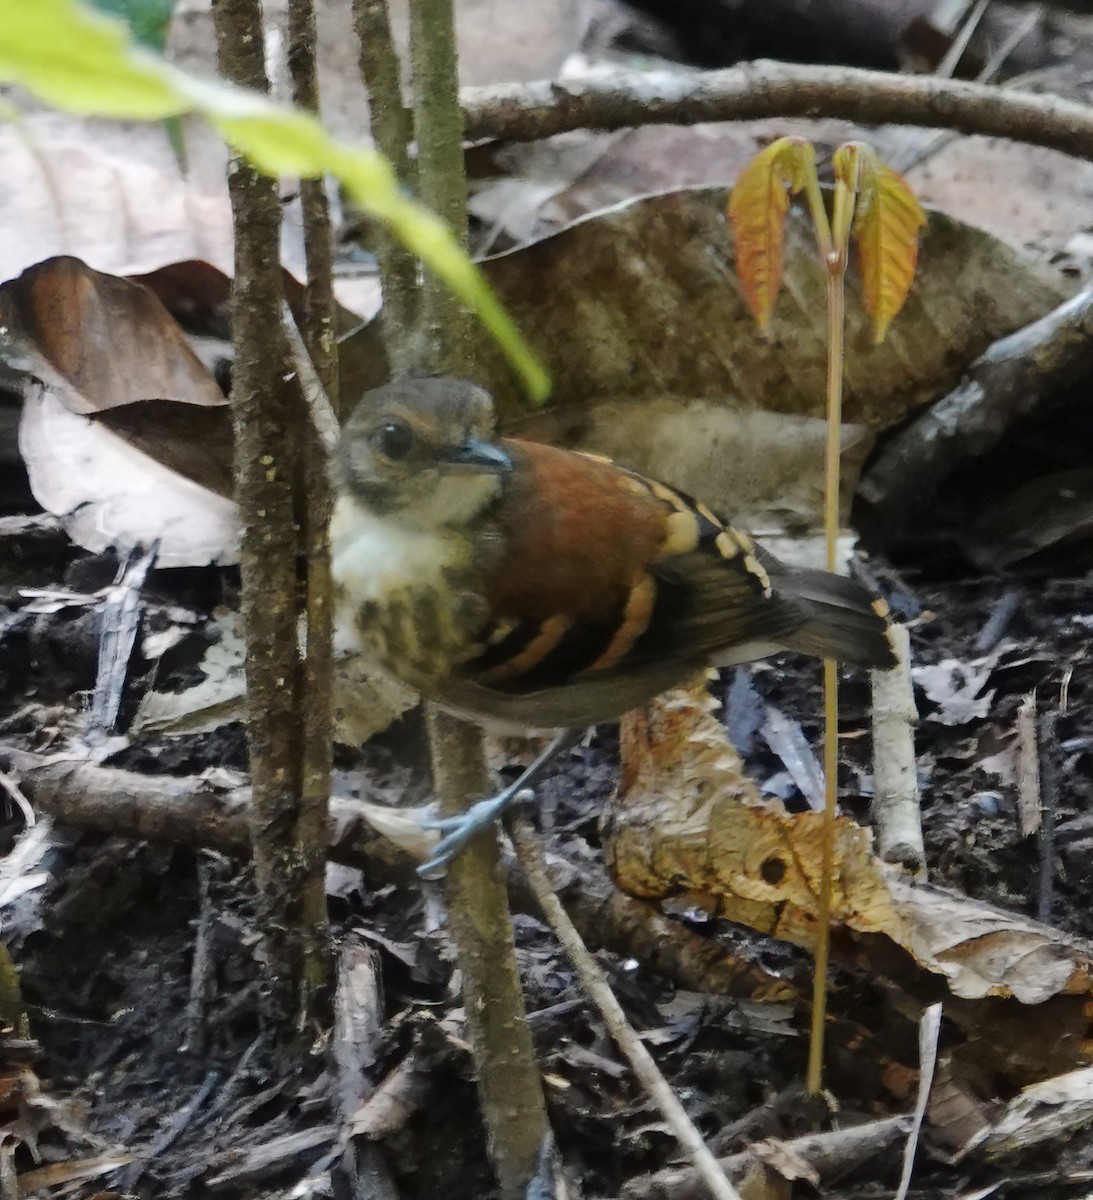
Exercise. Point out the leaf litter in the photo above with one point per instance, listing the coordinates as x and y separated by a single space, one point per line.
729 1056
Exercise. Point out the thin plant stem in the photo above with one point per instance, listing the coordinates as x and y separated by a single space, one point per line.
314 507
835 264
393 131
265 405
818 213
509 1087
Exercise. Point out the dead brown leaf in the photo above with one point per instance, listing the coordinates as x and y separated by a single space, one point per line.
99 341
194 441
642 323
113 193
84 343
689 820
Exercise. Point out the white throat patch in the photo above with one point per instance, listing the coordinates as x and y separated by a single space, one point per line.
373 556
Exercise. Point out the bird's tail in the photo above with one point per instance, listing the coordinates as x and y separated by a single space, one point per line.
844 621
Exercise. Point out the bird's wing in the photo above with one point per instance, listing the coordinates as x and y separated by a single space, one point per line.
607 571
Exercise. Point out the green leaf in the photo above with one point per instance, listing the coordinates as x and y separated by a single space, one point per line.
84 62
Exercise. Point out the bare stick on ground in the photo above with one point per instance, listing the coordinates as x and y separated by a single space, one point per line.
626 99
189 811
356 1046
599 991
897 815
1007 383
829 1154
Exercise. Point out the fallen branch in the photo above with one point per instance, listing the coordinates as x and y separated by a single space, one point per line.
627 99
897 814
194 811
1003 385
599 991
829 1154
355 1046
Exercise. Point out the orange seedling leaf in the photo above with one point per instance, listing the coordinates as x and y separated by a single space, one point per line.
757 210
886 227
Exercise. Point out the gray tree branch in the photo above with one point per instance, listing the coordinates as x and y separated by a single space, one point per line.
625 99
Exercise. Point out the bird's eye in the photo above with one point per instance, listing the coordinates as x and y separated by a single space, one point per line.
394 440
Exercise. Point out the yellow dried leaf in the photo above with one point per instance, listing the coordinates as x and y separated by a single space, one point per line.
757 210
886 229
687 820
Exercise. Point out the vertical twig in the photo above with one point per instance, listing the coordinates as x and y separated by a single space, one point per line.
316 501
438 129
897 815
317 325
392 131
1049 790
481 927
263 413
1030 808
508 1081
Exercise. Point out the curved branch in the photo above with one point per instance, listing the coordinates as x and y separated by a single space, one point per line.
525 112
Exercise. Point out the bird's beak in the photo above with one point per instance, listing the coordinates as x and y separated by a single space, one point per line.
477 455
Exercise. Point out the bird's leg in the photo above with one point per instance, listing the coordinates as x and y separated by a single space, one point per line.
461 829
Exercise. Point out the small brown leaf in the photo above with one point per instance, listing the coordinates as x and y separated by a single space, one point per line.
886 227
99 340
757 210
84 343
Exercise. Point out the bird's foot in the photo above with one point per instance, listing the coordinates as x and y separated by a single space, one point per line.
461 830
465 826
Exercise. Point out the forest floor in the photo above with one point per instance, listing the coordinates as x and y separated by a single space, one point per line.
138 969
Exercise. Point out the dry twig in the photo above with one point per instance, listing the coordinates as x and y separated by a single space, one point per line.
751 91
191 811
356 1044
392 131
829 1154
1002 386
896 811
599 991
929 1030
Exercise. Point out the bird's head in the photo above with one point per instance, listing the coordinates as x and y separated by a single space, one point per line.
423 451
